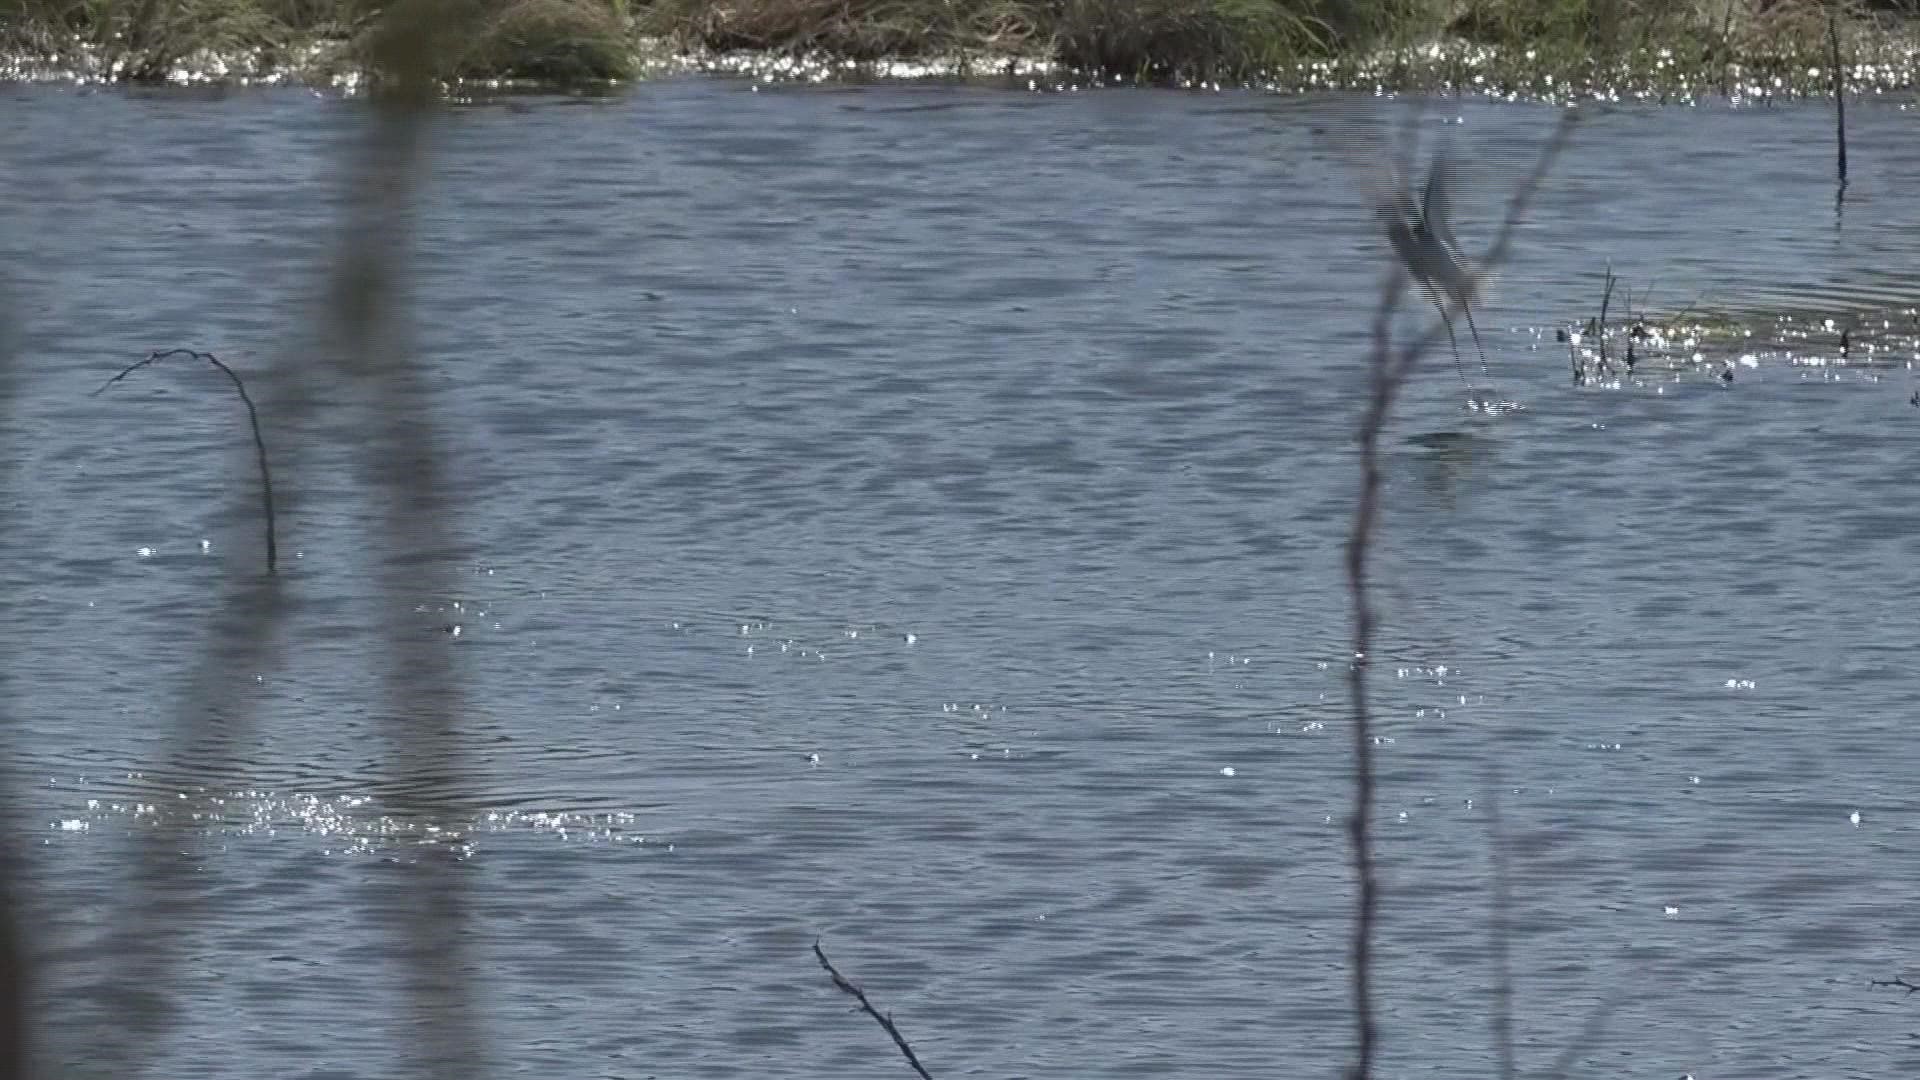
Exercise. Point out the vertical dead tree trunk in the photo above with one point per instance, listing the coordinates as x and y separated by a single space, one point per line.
1839 101
16 976
403 468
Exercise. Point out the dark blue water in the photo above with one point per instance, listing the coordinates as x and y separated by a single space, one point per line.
884 515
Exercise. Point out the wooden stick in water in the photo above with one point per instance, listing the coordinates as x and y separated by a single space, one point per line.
846 986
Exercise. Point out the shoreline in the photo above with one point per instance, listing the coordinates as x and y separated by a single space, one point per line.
1879 56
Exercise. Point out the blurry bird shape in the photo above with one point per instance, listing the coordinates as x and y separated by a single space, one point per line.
1421 232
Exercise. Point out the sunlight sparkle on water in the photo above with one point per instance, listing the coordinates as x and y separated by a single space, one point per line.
351 824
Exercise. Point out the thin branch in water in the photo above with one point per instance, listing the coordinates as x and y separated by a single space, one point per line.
253 420
1839 100
846 986
1388 369
1636 324
1358 832
165 894
1895 981
1499 928
1606 297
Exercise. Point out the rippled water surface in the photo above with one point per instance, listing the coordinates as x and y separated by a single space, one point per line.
887 514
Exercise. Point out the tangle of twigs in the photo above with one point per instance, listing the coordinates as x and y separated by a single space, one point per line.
253 419
846 986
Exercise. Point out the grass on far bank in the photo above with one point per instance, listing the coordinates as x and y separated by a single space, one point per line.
553 41
579 41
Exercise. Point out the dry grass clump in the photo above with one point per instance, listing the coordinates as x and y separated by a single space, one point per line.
849 29
1205 39
143 40
1227 41
1707 30
1130 38
555 41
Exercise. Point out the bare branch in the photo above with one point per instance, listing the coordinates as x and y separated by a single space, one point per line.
163 898
1500 928
1895 981
1606 297
846 986
1839 101
1388 369
253 420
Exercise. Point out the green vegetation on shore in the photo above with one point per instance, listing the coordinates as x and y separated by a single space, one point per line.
1227 41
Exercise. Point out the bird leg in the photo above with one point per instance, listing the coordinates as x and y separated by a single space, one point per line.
1464 306
1446 319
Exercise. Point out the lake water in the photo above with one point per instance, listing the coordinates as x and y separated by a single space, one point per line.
883 514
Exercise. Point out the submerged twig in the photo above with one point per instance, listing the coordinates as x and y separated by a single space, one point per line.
1498 930
847 986
1388 368
253 420
164 897
1895 981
